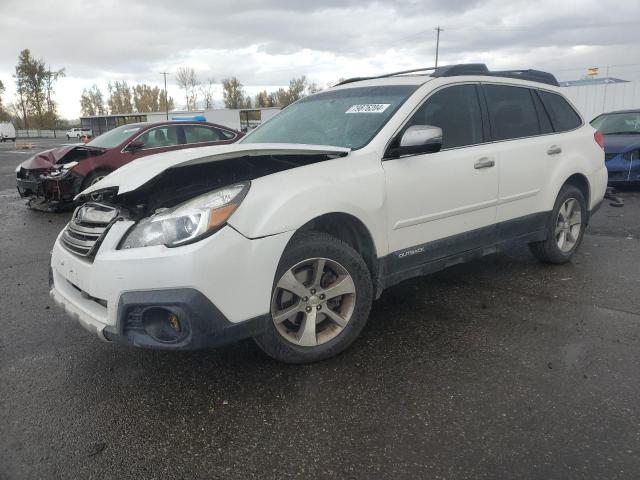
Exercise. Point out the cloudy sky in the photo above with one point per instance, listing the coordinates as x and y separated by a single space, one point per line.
266 42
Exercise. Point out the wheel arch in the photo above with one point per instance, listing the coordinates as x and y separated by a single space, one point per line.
350 230
581 182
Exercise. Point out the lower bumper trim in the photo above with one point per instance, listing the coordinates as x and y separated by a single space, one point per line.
205 326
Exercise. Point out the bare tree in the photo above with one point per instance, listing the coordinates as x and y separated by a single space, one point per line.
188 81
207 89
51 78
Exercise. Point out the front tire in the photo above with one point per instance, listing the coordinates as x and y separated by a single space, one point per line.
565 228
92 178
321 299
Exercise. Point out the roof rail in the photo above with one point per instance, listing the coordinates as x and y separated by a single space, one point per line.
462 69
531 75
469 69
358 79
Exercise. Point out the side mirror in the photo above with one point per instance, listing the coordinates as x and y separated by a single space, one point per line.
419 139
134 146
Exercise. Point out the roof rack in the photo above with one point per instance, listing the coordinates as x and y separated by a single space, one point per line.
469 69
531 75
386 75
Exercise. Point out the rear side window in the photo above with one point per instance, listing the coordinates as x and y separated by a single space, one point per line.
511 112
202 134
563 116
456 110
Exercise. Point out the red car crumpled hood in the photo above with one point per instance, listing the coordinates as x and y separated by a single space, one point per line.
46 159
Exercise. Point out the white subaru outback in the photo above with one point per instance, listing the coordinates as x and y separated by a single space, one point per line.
289 235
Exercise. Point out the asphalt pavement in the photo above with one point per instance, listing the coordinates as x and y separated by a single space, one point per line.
500 368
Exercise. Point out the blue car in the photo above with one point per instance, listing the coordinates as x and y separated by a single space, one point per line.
621 131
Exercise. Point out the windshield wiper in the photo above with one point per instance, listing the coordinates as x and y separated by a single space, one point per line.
632 132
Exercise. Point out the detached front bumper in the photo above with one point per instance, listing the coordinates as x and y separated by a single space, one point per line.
48 185
27 187
205 294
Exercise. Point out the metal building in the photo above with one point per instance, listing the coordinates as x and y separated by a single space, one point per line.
592 99
103 123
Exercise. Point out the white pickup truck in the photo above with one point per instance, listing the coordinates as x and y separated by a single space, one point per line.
78 133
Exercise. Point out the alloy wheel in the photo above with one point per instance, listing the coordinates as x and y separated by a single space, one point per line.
313 302
568 225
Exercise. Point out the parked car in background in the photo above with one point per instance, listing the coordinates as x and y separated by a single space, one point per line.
289 235
51 179
621 131
7 132
78 133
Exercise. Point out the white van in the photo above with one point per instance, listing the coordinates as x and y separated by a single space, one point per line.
7 132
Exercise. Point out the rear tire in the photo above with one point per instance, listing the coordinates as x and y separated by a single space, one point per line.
328 276
565 228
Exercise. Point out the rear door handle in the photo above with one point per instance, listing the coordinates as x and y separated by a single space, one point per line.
554 150
484 162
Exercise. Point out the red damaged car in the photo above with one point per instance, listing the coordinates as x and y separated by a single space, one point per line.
51 179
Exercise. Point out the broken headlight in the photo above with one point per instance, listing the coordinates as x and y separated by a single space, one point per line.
189 221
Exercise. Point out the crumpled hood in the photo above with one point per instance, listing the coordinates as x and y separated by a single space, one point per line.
46 159
621 143
135 174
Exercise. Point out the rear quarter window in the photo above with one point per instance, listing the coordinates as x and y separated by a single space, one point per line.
563 116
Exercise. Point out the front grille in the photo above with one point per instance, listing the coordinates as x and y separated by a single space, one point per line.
87 228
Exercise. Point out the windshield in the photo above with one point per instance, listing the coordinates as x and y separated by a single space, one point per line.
347 118
618 123
114 137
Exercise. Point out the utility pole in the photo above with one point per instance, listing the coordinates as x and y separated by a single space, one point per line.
166 101
438 30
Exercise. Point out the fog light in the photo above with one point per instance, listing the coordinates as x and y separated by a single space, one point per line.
162 324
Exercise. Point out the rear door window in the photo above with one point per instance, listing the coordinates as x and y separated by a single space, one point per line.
203 133
563 116
456 110
512 113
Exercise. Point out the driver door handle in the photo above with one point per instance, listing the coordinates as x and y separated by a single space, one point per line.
484 162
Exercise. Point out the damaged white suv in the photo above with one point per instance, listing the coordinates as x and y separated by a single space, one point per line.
289 235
